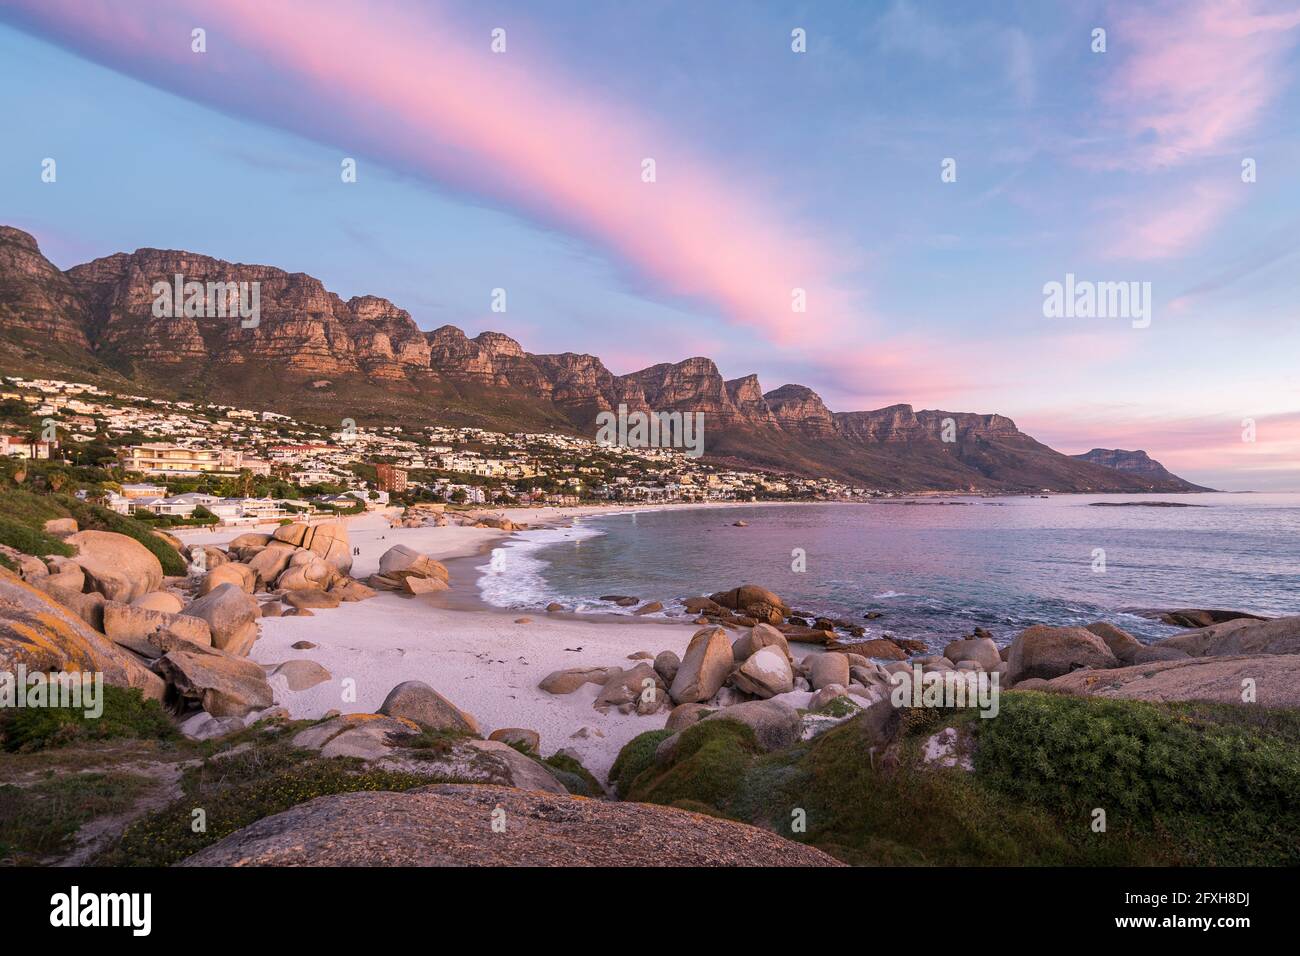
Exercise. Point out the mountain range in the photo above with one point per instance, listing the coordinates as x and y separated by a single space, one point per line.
316 356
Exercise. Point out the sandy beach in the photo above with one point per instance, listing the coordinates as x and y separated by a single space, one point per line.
478 658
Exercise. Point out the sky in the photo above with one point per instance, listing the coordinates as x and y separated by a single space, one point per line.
921 171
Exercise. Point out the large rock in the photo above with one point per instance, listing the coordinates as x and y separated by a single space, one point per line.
231 614
746 596
61 527
152 633
222 684
1122 644
405 569
417 701
327 541
89 607
570 679
166 601
776 724
1275 678
306 571
666 664
765 673
639 689
299 675
447 825
828 668
1241 636
243 547
118 567
1047 652
759 636
705 666
878 648
43 635
981 650
269 563
243 576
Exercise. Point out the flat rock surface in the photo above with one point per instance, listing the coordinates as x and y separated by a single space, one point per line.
451 825
1276 680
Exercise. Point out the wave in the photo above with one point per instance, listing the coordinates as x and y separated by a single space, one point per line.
512 576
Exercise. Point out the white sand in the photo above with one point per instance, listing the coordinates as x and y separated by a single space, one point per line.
480 660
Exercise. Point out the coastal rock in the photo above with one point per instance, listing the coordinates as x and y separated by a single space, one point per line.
242 576
829 668
442 825
878 648
351 591
1201 617
684 715
981 650
152 633
1047 652
43 635
1239 636
706 665
776 724
164 601
766 673
666 665
759 637
306 572
639 689
1274 677
1154 652
827 694
60 527
650 607
300 674
310 598
222 684
1121 643
231 613
269 563
405 569
327 541
417 701
118 567
518 737
567 681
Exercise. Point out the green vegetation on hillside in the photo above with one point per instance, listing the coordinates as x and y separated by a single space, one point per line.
126 713
1181 784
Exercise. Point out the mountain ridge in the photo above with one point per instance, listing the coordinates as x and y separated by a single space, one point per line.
311 349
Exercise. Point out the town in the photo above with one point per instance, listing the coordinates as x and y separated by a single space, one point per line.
190 463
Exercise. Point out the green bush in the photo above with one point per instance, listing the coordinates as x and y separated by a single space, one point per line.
576 778
30 541
708 766
126 714
636 755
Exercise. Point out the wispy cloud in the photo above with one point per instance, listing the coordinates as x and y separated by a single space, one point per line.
1193 78
509 130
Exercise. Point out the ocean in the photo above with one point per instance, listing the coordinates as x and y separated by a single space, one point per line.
933 570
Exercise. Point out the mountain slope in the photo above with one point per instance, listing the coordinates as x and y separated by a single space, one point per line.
313 355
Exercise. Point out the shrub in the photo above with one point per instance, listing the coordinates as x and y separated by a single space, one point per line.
636 756
576 778
708 766
126 714
30 541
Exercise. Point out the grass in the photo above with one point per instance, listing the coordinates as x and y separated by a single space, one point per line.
30 541
126 714
576 778
227 793
1181 784
40 820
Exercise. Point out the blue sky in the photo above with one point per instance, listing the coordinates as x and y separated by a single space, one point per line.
776 168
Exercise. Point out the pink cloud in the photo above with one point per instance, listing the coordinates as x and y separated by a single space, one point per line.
415 91
1175 223
1196 77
